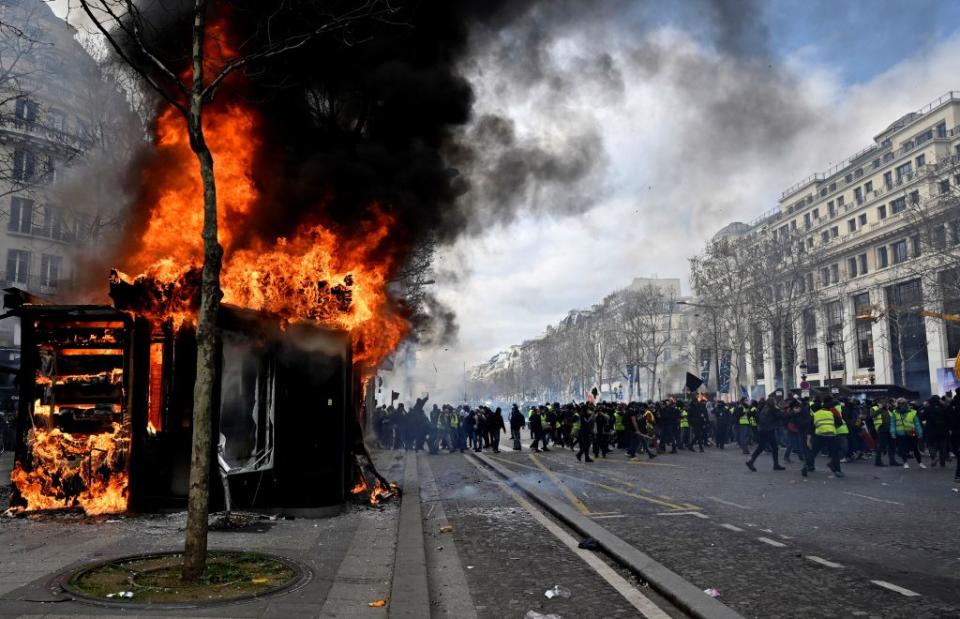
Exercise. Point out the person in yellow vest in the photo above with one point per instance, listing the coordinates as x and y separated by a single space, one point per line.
685 442
907 430
742 413
843 435
880 417
619 428
825 421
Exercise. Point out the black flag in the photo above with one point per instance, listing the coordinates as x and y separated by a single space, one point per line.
693 382
393 396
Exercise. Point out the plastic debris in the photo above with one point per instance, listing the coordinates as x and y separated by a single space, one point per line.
260 580
532 614
557 592
377 604
589 544
712 593
121 594
446 529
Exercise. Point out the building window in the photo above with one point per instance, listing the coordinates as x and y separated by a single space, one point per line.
851 225
899 250
825 236
26 110
921 161
882 258
833 187
904 172
43 223
50 267
888 179
834 232
834 314
831 209
882 211
810 341
810 281
914 197
908 341
816 213
825 276
898 205
18 266
954 227
863 319
858 195
944 186
21 215
839 200
834 273
851 267
862 219
950 286
24 165
807 223
938 237
915 246
862 264
868 187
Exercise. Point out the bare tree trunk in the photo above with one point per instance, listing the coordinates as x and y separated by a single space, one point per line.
198 502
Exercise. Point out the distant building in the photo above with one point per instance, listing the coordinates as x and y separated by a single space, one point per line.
52 103
879 235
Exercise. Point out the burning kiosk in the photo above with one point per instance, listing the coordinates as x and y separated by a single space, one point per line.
106 393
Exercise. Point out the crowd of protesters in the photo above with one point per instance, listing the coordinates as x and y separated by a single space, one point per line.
890 431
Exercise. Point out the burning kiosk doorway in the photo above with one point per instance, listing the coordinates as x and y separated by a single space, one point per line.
286 401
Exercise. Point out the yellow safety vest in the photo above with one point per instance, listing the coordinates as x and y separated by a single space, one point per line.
744 417
753 416
842 428
618 422
684 422
905 422
823 423
877 418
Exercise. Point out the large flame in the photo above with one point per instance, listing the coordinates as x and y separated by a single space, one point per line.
318 274
73 470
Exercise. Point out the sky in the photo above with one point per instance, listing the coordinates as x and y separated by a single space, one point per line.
713 134
706 110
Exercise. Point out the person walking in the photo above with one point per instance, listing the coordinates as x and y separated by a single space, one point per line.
767 423
825 420
588 420
885 440
742 414
539 436
517 423
905 426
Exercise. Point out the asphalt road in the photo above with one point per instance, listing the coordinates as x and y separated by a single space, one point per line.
772 542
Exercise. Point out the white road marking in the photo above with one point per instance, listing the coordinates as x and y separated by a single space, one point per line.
873 498
730 503
893 587
642 603
697 514
772 542
824 562
603 516
731 527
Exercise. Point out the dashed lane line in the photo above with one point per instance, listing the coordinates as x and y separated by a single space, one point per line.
695 514
642 603
727 525
674 506
873 498
824 562
730 503
772 542
606 516
574 500
892 587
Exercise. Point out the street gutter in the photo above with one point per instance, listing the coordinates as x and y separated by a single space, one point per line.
410 592
681 592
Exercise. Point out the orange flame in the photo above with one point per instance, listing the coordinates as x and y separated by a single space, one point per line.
63 462
317 274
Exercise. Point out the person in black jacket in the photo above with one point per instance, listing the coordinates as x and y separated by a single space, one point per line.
517 423
767 423
496 427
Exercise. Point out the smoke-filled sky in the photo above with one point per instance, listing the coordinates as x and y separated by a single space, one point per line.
704 118
608 140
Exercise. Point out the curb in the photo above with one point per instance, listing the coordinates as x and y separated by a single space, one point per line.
681 592
410 593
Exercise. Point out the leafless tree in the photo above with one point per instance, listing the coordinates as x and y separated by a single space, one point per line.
130 34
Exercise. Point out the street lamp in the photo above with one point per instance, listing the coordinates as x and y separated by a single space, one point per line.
873 376
803 371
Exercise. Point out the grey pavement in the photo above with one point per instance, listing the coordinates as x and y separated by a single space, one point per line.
350 557
824 540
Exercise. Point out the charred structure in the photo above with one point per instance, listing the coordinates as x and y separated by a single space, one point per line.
104 419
